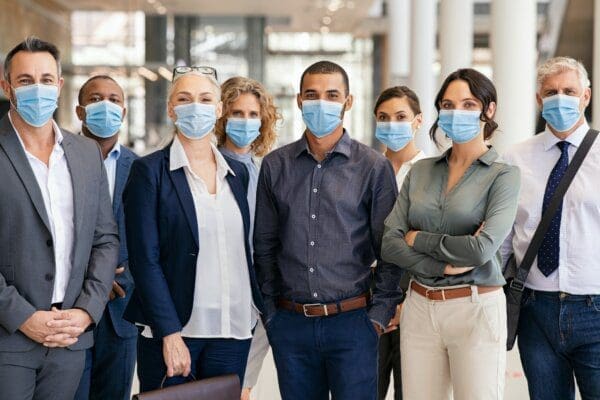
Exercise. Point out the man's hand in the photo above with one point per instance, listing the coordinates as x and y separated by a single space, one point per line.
36 327
452 270
177 356
395 321
67 328
478 231
117 290
409 238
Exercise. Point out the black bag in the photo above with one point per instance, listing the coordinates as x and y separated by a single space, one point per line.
517 275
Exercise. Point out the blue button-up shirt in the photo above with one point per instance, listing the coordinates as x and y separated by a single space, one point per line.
319 226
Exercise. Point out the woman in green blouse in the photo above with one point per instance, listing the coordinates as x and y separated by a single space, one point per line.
449 221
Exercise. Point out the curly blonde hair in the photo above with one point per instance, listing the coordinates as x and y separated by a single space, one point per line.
231 89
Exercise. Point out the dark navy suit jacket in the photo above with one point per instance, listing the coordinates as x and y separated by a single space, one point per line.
116 307
163 242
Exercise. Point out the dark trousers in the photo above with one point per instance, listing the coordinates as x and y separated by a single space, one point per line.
389 363
40 374
322 355
109 365
559 341
210 357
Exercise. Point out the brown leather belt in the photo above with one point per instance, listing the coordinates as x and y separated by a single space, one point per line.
323 310
449 294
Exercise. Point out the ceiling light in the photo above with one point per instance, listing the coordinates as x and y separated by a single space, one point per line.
324 29
326 20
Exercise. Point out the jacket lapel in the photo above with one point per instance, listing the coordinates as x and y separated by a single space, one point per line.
184 194
78 179
16 154
123 164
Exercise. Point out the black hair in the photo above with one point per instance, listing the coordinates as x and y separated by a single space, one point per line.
92 79
481 87
399 92
326 67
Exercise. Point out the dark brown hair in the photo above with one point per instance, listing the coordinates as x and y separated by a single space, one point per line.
481 87
399 92
326 67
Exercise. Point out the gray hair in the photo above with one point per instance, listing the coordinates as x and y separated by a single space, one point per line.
210 78
556 65
32 44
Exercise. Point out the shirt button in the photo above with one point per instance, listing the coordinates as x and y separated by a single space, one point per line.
318 166
312 243
315 294
49 242
313 216
311 269
49 277
315 190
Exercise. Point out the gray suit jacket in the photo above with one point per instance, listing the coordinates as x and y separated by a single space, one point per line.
26 250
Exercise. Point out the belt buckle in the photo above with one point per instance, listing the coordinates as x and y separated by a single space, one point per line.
304 308
433 291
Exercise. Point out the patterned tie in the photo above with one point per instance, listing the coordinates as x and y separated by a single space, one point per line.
550 249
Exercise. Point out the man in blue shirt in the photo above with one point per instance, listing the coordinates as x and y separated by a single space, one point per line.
321 204
109 366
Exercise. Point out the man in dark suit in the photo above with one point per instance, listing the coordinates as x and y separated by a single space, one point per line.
110 363
58 237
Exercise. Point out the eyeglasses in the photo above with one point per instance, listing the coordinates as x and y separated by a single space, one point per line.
182 70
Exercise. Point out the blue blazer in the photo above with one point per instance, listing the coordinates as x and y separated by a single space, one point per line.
116 307
163 243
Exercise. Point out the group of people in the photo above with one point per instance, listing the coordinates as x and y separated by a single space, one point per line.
348 263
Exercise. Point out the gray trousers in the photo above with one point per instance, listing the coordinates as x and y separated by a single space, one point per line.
40 374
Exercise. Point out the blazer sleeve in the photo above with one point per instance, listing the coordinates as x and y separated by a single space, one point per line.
104 254
140 200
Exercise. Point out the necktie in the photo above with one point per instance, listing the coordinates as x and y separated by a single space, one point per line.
548 253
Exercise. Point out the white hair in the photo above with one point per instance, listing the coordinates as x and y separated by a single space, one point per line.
557 65
210 78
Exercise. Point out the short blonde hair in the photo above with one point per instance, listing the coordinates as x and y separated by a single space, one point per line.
231 90
557 65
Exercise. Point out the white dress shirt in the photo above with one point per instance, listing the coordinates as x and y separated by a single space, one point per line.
56 186
405 167
579 259
222 305
110 164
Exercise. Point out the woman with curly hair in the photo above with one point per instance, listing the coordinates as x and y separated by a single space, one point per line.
245 131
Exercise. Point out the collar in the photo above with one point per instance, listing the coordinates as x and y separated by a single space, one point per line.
244 158
487 158
343 146
115 152
574 138
178 159
58 136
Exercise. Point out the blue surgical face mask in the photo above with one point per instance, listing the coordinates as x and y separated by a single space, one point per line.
561 112
460 126
195 120
242 131
395 135
103 118
36 103
321 116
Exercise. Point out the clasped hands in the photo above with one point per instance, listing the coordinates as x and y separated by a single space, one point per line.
56 328
411 235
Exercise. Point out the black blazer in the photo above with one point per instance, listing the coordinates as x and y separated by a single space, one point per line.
163 243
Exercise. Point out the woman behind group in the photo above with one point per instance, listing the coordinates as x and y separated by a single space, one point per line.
446 228
188 221
398 115
245 131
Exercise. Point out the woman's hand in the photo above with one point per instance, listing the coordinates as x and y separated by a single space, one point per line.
176 355
452 270
409 238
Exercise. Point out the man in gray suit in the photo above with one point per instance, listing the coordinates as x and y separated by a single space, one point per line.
58 238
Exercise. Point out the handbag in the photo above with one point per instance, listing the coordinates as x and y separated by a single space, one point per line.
226 387
516 275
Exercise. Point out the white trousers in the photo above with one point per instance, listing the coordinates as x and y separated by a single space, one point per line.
454 348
